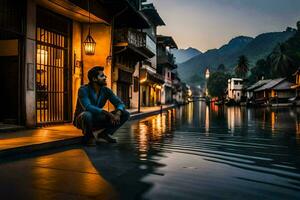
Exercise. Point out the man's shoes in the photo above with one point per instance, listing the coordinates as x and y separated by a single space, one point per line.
91 142
103 137
98 132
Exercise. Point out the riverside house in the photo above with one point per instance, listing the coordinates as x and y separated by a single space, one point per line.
47 48
235 89
149 93
250 90
131 46
296 87
275 92
166 64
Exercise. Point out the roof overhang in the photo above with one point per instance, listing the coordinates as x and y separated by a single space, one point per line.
70 9
152 14
125 14
167 41
152 78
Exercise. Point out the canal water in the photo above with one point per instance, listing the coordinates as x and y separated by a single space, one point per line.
206 152
192 152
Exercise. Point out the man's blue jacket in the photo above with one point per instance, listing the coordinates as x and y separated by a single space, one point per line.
88 101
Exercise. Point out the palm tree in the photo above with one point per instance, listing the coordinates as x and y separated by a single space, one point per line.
282 65
242 69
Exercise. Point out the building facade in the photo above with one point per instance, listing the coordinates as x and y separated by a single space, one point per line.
45 59
47 56
165 66
150 82
131 47
235 89
12 61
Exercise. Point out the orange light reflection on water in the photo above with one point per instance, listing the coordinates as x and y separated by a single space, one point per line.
234 118
152 130
207 120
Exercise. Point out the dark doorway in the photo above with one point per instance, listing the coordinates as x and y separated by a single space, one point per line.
123 93
144 95
123 87
12 36
9 87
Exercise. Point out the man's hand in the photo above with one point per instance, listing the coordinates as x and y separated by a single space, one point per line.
117 117
114 118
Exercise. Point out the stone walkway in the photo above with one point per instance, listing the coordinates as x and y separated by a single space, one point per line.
29 140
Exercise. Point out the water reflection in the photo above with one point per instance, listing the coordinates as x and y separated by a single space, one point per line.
230 129
206 120
207 146
151 130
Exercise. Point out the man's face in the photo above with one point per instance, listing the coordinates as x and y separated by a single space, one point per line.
101 79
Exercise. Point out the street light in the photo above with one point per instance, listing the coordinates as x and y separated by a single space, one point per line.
89 43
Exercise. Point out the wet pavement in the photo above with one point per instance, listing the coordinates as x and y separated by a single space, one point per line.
195 152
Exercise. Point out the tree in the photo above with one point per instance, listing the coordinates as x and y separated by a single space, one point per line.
217 84
242 69
261 70
221 68
281 63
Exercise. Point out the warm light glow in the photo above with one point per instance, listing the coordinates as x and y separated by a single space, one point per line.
207 120
158 87
143 80
42 57
207 73
190 93
297 130
273 121
89 45
234 118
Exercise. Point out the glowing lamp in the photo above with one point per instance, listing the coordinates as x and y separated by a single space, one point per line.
89 45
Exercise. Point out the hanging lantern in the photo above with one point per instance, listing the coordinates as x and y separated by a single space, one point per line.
89 45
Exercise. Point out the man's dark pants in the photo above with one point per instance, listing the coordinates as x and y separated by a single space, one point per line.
88 123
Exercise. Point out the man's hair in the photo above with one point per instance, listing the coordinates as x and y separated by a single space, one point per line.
93 73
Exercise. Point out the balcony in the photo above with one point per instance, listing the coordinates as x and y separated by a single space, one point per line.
138 42
166 58
147 76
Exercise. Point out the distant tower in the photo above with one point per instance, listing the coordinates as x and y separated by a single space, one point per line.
207 73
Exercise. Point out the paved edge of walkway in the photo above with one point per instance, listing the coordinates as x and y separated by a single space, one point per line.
22 150
141 115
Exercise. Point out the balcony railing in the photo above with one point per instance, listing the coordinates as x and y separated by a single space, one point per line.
166 58
150 44
138 39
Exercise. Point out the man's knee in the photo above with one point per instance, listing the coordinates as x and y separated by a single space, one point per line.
86 116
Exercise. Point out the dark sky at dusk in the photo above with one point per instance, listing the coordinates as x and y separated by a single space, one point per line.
207 24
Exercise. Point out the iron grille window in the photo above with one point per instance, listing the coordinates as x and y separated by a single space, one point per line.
51 73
